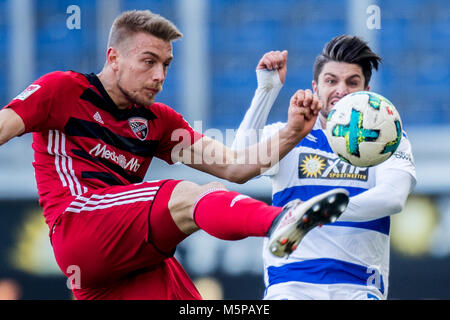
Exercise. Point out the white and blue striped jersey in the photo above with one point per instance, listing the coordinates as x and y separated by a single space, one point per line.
348 259
344 260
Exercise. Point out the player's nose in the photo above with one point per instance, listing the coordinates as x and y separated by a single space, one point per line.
342 90
159 73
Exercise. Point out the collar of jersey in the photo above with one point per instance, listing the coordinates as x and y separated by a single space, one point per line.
110 106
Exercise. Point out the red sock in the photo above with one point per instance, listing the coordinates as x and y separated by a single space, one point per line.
229 215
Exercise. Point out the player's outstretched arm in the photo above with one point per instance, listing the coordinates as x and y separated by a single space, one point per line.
11 125
388 197
395 179
239 166
270 73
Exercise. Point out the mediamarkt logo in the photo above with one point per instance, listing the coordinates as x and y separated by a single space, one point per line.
99 150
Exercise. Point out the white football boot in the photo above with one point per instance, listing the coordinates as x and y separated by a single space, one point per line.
297 218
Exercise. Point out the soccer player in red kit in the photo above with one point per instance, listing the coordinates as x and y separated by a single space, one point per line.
94 137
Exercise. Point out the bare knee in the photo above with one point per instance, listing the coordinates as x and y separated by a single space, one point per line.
184 197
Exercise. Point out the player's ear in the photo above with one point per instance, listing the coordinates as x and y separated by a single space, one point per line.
112 56
367 88
314 86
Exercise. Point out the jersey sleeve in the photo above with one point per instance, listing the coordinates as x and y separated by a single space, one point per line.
402 159
177 134
36 103
269 86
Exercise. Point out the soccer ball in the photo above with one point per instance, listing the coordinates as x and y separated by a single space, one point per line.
364 129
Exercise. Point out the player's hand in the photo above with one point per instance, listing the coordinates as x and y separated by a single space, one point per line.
275 60
303 111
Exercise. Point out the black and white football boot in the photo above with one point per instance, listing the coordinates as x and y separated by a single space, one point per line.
297 218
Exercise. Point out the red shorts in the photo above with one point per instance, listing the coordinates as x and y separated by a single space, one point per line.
108 243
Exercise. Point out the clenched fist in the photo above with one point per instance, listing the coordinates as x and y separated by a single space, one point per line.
275 60
303 111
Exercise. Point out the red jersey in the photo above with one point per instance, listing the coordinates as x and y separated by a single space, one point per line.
83 141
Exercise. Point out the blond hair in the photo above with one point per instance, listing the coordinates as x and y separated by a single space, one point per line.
135 21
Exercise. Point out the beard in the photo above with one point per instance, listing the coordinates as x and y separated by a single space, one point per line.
134 97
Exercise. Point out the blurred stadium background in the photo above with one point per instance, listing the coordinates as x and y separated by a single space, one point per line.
212 80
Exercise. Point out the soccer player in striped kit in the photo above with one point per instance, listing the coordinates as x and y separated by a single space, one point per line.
94 137
348 259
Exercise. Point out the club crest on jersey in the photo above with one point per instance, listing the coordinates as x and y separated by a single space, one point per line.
139 127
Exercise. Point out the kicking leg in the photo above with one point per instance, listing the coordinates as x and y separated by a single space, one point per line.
229 215
226 215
